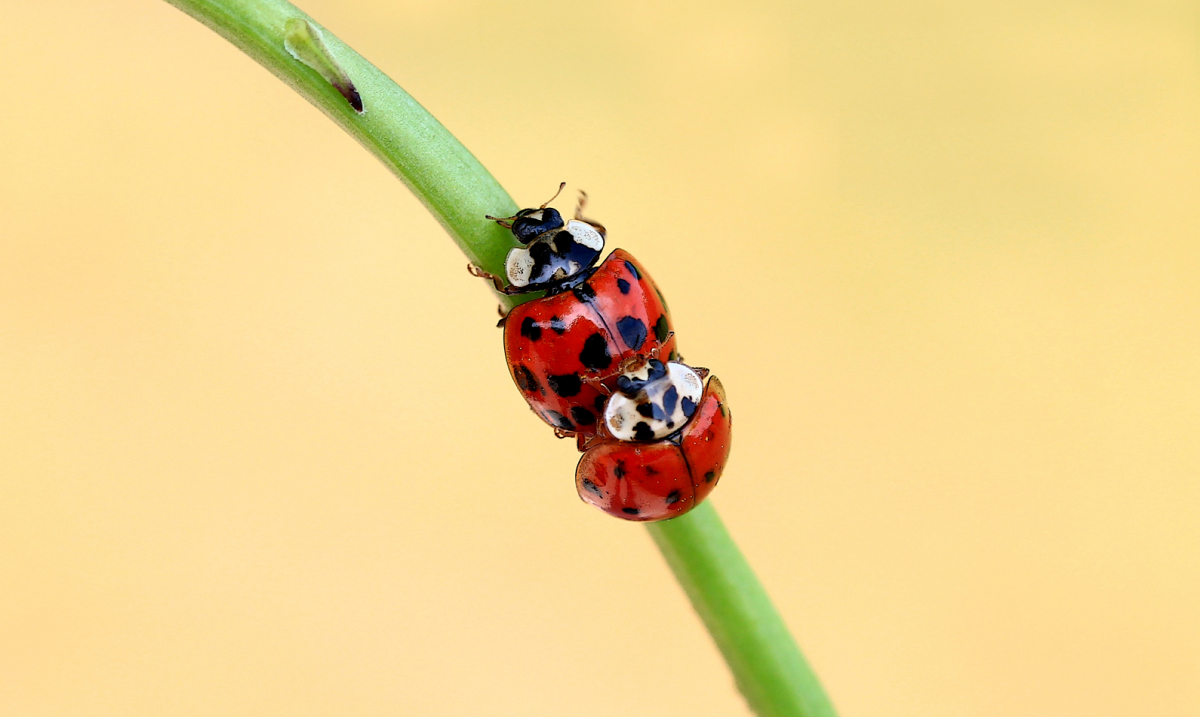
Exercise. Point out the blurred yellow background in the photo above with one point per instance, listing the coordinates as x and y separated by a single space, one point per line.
260 455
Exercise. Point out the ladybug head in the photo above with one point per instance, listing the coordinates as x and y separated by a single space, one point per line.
634 382
653 401
557 255
529 224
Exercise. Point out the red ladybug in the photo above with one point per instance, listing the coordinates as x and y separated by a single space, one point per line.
592 321
662 444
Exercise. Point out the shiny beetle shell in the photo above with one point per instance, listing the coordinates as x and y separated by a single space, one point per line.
559 347
662 479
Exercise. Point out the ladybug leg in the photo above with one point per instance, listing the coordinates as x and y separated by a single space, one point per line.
597 382
564 433
480 273
675 356
583 199
583 442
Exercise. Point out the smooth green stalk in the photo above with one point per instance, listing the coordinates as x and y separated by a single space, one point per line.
768 667
452 184
765 661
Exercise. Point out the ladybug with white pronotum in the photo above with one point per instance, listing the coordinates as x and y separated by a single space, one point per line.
563 347
661 446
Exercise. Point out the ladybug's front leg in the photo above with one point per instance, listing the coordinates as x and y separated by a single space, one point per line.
581 439
496 281
480 273
597 382
583 199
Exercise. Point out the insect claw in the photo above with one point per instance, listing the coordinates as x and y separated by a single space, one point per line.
582 441
597 382
657 349
481 274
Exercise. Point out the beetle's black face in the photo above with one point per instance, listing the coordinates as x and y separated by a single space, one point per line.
529 224
631 386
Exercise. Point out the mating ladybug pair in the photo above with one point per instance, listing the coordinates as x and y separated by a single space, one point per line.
595 358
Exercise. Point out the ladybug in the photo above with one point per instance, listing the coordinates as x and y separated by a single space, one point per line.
556 255
662 444
563 347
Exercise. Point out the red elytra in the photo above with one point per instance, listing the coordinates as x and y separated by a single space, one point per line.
658 480
558 347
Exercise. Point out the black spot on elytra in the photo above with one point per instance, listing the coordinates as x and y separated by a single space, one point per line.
623 286
565 386
530 329
582 416
595 352
633 270
688 406
589 485
584 292
619 471
599 403
557 325
669 399
661 329
633 331
629 511
672 497
661 298
642 432
559 420
708 477
526 381
651 471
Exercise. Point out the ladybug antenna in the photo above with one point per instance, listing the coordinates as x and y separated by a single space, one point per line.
506 222
551 199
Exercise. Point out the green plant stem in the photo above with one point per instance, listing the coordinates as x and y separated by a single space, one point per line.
768 667
452 184
456 188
